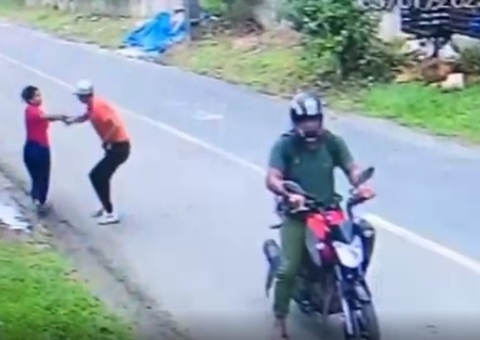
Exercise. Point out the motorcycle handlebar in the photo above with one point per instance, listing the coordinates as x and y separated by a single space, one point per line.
356 200
313 204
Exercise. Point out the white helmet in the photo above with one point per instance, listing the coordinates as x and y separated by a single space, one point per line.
84 87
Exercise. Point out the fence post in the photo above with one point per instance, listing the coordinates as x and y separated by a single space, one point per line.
188 23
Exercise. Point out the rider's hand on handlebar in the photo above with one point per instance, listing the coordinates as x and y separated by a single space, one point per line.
296 200
365 192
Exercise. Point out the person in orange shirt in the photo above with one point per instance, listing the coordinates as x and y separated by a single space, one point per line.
110 128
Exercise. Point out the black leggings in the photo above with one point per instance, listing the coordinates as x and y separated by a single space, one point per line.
115 155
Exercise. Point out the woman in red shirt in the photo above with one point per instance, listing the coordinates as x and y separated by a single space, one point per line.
36 151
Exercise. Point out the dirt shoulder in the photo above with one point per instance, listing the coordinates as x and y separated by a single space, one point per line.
54 285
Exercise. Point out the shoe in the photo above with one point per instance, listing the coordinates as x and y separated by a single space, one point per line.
280 330
108 218
98 213
40 208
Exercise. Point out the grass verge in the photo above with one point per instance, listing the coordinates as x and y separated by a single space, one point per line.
271 65
41 299
267 62
105 31
454 114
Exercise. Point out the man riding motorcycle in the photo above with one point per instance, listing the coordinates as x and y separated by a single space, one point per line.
308 155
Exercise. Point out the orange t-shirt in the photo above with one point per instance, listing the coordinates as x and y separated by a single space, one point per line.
103 117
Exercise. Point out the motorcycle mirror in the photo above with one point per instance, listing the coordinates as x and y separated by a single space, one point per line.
365 175
293 187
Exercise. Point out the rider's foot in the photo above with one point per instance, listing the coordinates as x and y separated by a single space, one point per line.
280 329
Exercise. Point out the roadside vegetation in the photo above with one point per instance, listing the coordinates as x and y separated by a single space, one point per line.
332 46
42 299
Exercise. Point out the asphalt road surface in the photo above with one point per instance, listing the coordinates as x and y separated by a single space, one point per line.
193 204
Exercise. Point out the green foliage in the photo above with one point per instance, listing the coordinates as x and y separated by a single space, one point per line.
341 41
214 7
238 11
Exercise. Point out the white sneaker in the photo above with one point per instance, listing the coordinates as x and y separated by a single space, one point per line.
108 218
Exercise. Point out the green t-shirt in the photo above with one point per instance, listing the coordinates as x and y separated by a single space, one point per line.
312 168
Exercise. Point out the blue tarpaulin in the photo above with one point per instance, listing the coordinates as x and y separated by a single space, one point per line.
157 34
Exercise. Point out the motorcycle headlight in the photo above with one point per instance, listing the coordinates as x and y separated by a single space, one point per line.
368 233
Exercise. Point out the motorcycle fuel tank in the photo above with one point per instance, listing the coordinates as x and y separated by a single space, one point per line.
318 227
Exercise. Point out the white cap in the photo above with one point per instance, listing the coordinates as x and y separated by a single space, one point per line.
84 87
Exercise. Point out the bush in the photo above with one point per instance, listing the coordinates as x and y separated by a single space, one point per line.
214 7
341 41
240 10
470 60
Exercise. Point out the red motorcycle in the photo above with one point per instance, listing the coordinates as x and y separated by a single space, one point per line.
338 252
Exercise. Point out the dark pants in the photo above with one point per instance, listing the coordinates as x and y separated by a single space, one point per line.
115 155
292 240
37 160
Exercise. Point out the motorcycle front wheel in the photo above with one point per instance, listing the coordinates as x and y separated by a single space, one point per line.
364 324
368 322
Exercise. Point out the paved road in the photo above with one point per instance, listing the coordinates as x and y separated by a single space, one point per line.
195 216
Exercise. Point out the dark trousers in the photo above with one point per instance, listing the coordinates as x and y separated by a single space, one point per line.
115 155
37 160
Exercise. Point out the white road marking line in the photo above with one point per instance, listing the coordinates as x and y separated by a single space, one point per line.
423 242
379 222
205 116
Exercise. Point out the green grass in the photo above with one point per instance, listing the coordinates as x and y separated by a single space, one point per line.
39 300
274 68
448 114
105 31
